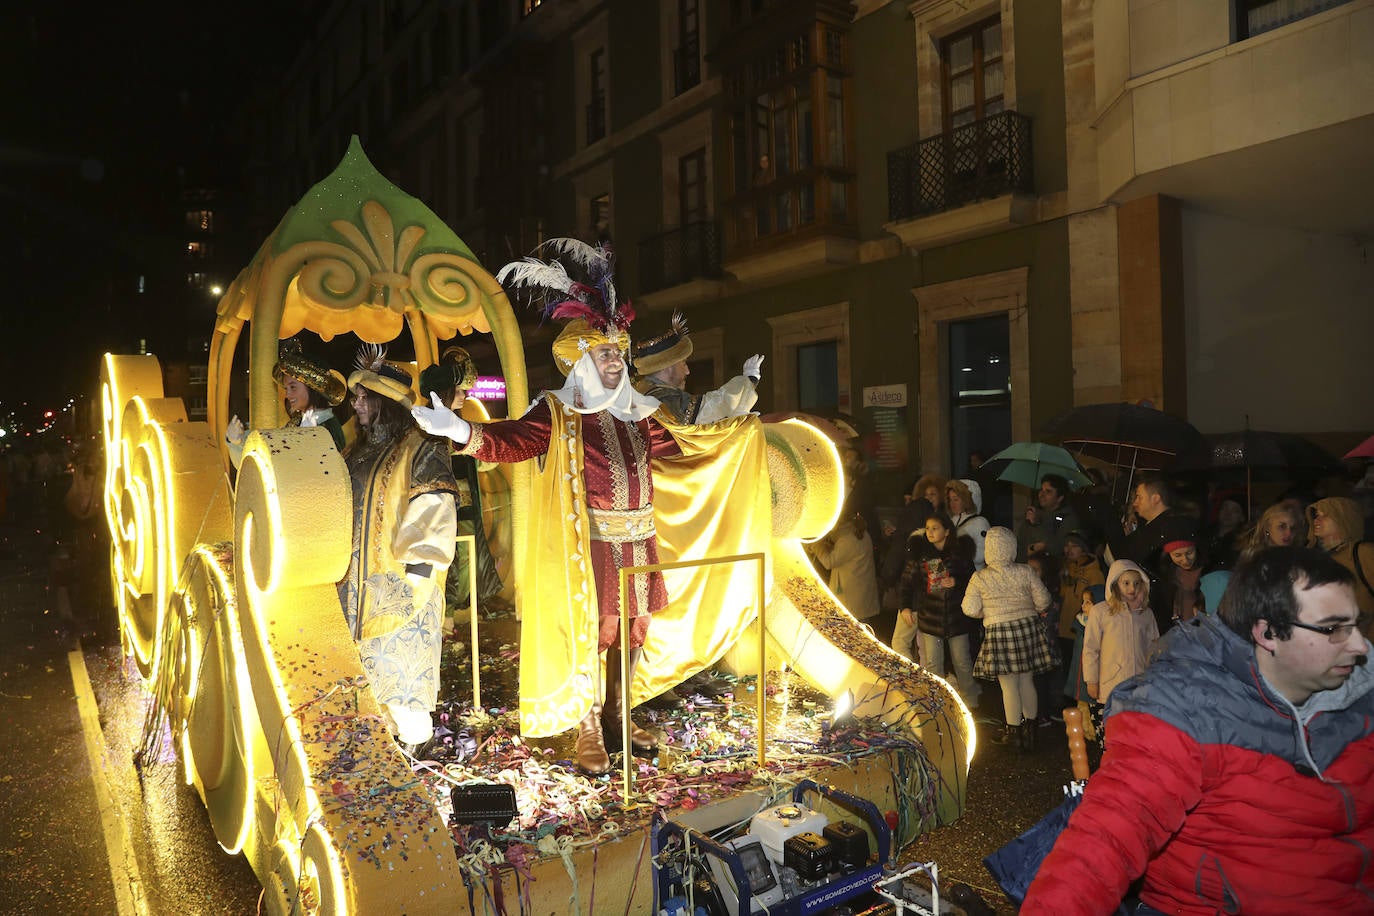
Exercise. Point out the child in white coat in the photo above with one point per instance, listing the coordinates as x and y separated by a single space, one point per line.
1009 598
1119 635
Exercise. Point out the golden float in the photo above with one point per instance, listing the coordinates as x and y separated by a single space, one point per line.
226 593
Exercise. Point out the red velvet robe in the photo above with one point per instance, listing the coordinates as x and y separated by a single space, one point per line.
616 476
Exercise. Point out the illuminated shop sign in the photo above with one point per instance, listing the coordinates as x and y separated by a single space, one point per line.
488 388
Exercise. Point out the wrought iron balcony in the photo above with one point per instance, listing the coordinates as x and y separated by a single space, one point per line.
688 252
686 66
977 161
596 117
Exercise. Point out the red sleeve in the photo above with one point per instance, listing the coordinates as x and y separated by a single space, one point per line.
507 441
1117 828
661 442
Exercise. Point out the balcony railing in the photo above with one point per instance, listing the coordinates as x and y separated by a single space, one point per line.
686 66
596 117
977 161
689 252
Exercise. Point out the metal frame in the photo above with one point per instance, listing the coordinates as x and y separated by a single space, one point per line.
627 771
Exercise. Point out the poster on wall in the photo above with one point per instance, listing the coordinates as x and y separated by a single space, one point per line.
886 406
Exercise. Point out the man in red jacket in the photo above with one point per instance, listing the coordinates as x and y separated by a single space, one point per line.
1237 772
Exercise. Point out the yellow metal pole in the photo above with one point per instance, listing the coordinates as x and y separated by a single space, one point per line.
627 772
471 541
760 687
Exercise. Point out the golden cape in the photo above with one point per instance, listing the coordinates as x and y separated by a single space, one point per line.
711 501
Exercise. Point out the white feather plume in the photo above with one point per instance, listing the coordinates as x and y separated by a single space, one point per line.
578 250
370 356
534 272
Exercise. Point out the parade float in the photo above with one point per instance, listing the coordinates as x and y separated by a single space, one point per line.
226 590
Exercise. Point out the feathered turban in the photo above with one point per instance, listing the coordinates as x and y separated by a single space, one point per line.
593 314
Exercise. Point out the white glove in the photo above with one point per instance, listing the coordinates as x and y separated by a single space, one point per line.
752 366
234 432
440 421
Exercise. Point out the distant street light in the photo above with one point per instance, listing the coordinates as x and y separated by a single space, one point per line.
216 290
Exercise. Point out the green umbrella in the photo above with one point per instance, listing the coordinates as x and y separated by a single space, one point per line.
1027 463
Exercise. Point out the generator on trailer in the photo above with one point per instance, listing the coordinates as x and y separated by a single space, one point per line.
784 860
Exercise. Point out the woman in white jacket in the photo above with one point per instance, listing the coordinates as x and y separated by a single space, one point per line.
964 500
1009 597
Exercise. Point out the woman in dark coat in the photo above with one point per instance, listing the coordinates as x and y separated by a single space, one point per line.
936 596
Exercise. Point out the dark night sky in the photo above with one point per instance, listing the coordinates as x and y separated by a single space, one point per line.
102 109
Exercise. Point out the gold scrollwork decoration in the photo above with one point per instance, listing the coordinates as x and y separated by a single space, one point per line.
449 294
374 281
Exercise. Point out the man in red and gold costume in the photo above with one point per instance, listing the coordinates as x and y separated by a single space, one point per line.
602 448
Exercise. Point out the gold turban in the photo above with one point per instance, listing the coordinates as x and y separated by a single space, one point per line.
578 337
294 363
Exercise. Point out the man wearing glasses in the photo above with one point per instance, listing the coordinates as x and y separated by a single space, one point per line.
1237 770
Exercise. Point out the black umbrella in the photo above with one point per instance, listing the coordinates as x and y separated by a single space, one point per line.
1261 454
1129 435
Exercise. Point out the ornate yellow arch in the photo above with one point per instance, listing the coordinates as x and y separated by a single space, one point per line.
357 254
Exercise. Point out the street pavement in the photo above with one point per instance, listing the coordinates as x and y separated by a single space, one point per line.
80 830
103 837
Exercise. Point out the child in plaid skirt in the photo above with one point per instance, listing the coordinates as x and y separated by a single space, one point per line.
1009 598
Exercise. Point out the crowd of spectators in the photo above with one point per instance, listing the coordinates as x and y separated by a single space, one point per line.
1183 535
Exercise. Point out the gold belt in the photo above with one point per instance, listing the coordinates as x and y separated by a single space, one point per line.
617 526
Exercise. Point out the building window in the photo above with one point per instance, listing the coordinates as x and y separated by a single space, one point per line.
596 105
741 11
687 56
811 355
195 280
971 70
1254 17
197 249
599 216
200 220
493 22
790 140
692 192
979 379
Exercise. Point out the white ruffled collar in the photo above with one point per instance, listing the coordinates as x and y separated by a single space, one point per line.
585 394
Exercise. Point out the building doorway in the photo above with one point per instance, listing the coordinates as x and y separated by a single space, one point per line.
818 379
979 368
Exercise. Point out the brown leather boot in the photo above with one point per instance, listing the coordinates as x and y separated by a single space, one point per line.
591 746
641 741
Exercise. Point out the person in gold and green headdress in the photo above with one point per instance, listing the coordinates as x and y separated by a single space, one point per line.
311 392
